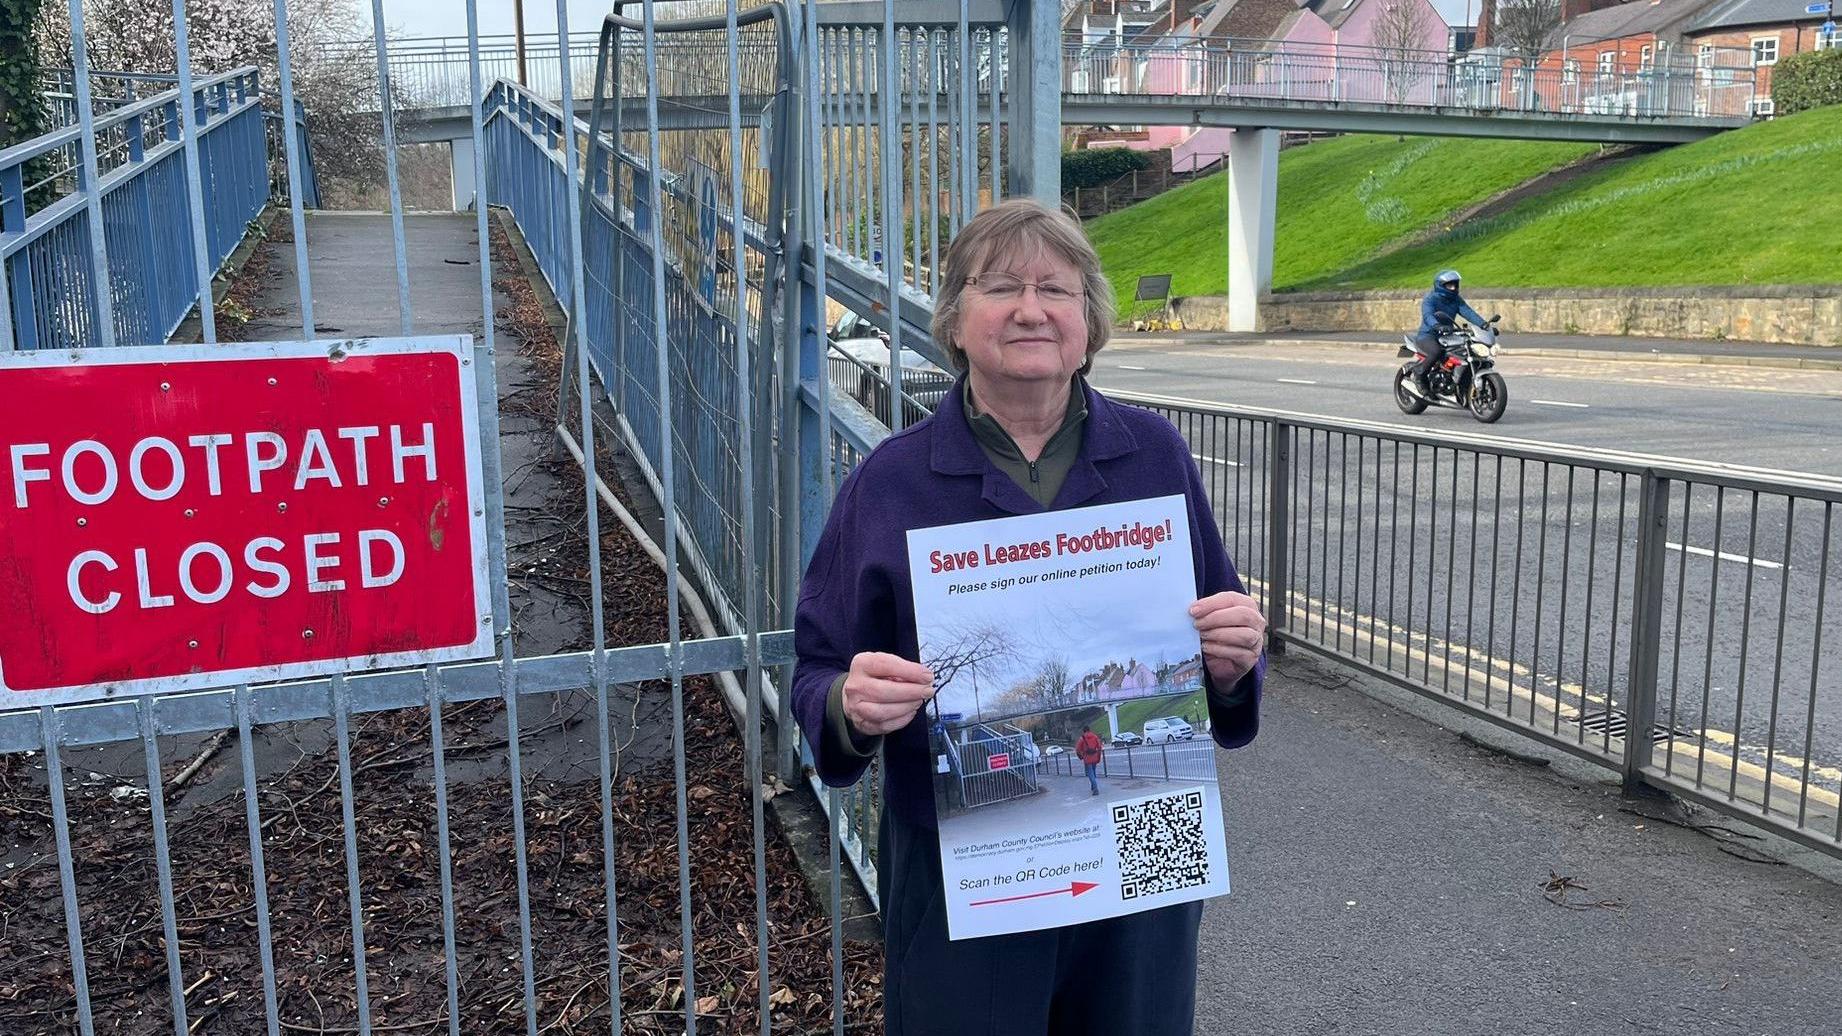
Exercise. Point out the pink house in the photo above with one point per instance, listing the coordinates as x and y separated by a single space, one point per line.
1113 682
1377 51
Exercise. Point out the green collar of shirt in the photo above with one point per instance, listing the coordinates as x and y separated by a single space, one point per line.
1042 478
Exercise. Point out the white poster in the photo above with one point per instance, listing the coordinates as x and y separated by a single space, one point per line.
1074 773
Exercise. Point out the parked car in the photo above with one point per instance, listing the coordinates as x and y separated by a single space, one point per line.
860 366
1127 739
1166 729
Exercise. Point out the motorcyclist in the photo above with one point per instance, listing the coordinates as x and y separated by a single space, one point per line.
1438 312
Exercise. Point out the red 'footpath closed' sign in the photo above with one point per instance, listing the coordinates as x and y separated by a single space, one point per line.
196 516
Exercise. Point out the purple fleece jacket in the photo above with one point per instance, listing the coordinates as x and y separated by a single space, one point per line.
856 594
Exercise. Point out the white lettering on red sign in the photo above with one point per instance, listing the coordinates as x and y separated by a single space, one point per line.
89 474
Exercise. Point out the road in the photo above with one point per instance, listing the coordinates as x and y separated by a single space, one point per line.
1512 580
1758 416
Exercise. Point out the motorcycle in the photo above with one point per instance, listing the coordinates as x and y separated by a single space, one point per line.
1466 380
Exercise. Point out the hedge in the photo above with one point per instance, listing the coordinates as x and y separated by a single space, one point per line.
1092 167
1808 80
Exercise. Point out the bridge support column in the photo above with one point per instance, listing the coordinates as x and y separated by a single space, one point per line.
1253 180
1035 88
460 169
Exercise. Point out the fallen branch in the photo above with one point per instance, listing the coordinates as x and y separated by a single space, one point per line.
184 777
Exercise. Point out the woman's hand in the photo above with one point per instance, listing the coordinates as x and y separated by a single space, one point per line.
882 692
1233 635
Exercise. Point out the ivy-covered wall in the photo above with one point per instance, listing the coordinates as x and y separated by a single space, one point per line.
22 112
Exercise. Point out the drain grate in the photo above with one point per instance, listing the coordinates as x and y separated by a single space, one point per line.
1614 721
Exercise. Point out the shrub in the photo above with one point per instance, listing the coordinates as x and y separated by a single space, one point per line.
1094 166
1808 80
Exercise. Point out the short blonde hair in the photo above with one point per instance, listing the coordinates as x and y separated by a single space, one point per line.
1011 228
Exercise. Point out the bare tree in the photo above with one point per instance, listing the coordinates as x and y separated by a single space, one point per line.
1524 26
1053 678
1400 35
336 85
968 651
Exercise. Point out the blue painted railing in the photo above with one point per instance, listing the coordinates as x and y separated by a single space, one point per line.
45 242
526 175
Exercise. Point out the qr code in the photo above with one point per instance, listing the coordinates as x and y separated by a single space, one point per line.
1161 844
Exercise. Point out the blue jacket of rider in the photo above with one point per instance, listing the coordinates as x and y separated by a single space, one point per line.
1442 307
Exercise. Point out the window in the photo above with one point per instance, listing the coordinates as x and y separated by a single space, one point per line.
1764 50
1762 107
1829 40
1570 72
1643 57
1606 61
1704 57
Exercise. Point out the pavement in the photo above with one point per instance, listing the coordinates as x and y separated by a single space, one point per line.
1392 876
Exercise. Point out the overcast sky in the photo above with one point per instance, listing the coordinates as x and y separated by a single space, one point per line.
1457 12
449 17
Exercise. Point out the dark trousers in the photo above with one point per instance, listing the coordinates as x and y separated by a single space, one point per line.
1134 974
1432 355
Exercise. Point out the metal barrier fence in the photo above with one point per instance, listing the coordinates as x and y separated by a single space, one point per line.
1671 620
1400 76
657 272
434 71
981 779
1570 595
111 194
845 131
1192 760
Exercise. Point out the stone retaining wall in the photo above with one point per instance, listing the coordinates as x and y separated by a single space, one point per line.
1793 314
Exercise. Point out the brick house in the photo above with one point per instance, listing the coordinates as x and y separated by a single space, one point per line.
1623 37
1763 30
1630 57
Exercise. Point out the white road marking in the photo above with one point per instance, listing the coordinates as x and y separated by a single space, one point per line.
1297 381
1217 460
1129 367
1556 402
1724 556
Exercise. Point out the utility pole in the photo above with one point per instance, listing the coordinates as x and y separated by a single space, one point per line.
518 38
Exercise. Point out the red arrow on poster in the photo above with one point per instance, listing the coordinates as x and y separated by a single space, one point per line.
999 761
1074 888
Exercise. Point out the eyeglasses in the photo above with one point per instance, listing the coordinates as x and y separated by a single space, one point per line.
1002 287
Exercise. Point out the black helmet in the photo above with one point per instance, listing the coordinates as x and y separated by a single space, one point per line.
1446 279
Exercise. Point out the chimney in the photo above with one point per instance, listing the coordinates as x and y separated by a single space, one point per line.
1571 9
1486 22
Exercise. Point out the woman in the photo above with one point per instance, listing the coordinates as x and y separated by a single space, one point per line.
1022 311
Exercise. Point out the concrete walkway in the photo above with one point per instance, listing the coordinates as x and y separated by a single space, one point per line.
353 265
1389 879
